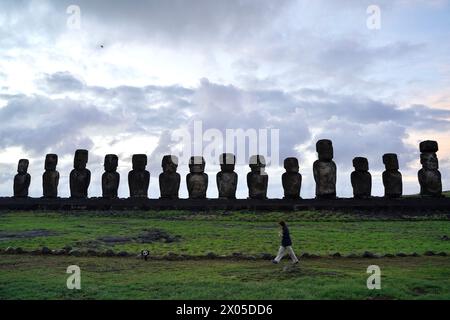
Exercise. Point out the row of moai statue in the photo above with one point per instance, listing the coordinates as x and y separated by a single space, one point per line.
324 170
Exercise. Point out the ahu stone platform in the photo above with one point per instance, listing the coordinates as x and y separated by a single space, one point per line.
418 206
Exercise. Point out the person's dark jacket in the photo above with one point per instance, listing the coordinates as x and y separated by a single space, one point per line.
286 239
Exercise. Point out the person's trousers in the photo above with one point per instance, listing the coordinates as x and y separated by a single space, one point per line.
282 252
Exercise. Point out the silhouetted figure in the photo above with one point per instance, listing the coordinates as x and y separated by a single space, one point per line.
361 178
392 178
291 179
22 179
429 176
197 179
324 170
139 178
257 178
80 177
169 179
227 179
110 178
50 178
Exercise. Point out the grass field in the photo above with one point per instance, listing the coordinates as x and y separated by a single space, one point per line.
41 277
28 276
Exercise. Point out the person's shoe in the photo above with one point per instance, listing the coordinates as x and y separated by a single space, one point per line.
274 261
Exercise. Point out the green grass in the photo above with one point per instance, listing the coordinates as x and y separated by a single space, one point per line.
224 233
44 277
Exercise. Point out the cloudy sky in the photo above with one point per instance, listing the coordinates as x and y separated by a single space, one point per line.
135 72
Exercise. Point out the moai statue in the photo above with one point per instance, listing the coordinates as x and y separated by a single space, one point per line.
22 179
392 178
110 178
80 177
429 175
50 178
227 179
324 171
257 178
361 178
139 178
169 179
197 179
291 179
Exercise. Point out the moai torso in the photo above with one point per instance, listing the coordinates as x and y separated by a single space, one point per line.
324 170
291 179
169 179
139 178
111 178
257 178
50 178
22 180
429 176
392 178
80 177
361 178
227 179
197 180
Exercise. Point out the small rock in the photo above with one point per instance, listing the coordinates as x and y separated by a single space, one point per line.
67 249
389 255
429 253
352 256
368 254
91 252
46 250
211 255
336 255
237 254
442 254
415 254
19 250
10 250
401 254
74 253
59 252
109 253
444 238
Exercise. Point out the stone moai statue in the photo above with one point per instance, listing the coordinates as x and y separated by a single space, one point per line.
80 177
110 178
169 179
139 178
392 178
257 178
22 179
197 179
291 179
227 179
361 178
324 170
50 178
429 175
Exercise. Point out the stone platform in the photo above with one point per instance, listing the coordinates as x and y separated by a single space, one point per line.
408 205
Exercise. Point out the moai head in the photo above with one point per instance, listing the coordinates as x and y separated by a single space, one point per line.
429 161
197 164
139 161
291 165
81 159
361 164
111 163
51 160
169 163
428 146
324 149
390 161
22 167
227 162
257 163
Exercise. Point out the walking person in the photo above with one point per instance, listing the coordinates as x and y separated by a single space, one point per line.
286 245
